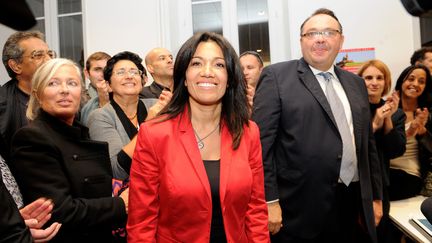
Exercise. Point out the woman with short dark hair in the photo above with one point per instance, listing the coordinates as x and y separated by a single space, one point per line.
118 121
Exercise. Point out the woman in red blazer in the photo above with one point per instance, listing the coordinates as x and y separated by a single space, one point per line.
197 171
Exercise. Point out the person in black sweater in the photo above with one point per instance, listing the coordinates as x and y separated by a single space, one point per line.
388 124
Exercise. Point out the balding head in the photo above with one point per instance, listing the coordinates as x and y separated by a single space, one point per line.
159 63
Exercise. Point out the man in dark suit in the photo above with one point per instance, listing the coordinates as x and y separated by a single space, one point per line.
322 176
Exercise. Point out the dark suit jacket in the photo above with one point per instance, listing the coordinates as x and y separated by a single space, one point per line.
170 196
58 161
13 228
154 90
302 148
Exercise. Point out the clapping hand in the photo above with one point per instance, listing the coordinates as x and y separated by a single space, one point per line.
418 125
250 93
163 100
35 215
386 111
103 90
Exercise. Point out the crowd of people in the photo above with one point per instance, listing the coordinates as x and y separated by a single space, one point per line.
218 148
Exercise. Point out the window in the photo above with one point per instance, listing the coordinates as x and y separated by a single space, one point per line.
243 22
61 22
70 30
37 7
253 28
207 16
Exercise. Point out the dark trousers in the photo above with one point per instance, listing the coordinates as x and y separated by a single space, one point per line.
344 223
384 229
403 185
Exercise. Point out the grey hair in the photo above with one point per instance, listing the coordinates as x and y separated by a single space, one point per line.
40 81
12 49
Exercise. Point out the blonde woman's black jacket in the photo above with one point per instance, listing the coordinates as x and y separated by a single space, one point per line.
54 160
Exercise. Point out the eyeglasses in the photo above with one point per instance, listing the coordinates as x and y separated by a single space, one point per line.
41 54
325 34
132 72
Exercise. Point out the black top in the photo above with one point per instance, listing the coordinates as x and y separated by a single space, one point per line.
217 232
392 144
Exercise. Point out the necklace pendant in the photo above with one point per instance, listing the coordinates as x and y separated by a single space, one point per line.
200 144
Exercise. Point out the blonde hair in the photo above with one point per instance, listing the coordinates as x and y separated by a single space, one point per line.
382 67
40 81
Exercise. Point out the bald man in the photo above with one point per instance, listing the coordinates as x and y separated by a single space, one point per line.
159 63
23 53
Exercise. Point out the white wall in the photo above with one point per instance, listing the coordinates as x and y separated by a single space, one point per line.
180 23
113 26
128 25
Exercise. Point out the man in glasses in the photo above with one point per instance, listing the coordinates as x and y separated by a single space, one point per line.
322 174
23 53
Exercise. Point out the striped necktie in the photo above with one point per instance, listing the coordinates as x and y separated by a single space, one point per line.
348 164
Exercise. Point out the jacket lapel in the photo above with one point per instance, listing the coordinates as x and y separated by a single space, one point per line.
188 140
308 78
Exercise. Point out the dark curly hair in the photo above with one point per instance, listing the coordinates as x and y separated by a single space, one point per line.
419 55
234 102
125 55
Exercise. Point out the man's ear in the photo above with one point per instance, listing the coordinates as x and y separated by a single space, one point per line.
150 68
86 74
144 80
16 67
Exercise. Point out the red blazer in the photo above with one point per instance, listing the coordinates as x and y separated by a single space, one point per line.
170 197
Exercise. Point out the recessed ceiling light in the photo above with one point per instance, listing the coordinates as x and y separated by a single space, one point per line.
259 50
261 13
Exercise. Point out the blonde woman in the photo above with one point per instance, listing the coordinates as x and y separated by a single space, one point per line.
54 158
